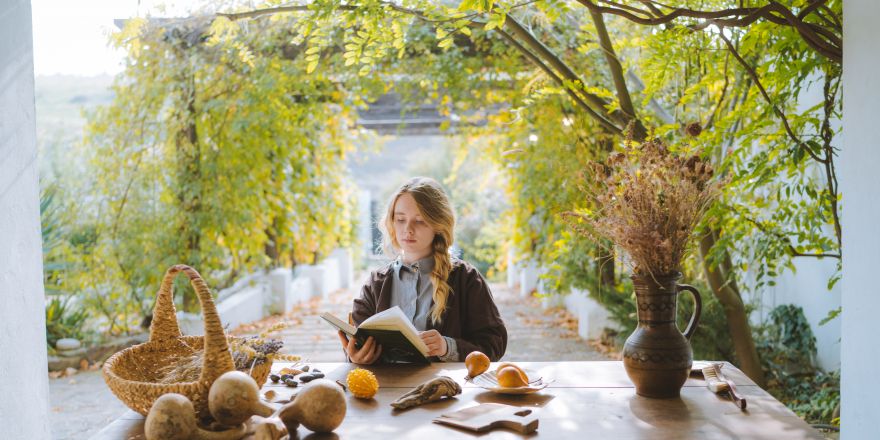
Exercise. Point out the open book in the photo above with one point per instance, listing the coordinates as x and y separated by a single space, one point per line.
392 329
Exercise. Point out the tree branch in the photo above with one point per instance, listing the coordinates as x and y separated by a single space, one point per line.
545 53
349 7
650 4
608 125
634 9
830 172
305 8
598 104
824 41
623 96
781 236
776 109
712 116
834 19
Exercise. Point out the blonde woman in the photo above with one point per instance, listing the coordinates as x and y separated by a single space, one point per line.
446 299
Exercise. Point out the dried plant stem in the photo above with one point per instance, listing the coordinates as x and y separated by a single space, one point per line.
647 201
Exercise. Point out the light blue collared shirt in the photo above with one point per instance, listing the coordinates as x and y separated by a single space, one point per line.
412 290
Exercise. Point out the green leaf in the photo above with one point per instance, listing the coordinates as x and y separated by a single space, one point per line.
832 281
311 66
833 313
467 5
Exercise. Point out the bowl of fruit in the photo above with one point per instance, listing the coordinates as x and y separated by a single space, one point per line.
505 378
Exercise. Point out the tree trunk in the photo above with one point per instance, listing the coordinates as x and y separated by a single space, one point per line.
271 247
189 180
734 309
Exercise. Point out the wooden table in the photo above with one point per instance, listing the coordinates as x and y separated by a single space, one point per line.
589 400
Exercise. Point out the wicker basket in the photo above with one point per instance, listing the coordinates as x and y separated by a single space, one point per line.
133 373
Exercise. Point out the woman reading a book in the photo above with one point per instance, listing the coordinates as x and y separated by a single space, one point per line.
447 299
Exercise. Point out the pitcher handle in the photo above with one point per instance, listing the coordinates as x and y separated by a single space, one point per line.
698 309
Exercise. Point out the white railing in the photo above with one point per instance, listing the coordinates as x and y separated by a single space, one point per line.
257 295
592 317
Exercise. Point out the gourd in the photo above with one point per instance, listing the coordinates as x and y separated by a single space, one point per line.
234 397
320 407
173 417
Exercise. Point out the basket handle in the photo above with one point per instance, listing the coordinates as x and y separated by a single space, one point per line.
217 359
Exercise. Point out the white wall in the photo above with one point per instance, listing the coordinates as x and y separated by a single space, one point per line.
24 385
859 184
807 288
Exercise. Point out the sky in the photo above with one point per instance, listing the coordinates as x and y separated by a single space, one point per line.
70 37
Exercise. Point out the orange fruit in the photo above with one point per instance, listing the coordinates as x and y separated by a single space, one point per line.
522 373
510 377
477 363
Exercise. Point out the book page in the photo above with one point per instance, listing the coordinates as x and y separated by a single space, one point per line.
394 319
338 323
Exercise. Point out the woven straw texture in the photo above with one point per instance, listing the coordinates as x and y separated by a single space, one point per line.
133 373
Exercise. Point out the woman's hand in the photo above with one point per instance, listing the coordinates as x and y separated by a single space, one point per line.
367 354
435 341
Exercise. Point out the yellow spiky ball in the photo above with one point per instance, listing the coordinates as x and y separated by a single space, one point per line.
362 383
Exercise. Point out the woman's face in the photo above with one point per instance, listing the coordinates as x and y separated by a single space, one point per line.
412 231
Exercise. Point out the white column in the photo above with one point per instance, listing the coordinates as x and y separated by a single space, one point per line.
859 176
512 268
280 291
24 384
365 223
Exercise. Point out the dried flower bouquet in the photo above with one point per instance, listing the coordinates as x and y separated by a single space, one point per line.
247 353
647 201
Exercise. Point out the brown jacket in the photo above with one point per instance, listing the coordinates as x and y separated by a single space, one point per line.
471 317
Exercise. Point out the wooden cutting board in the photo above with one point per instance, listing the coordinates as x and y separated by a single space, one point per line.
487 416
